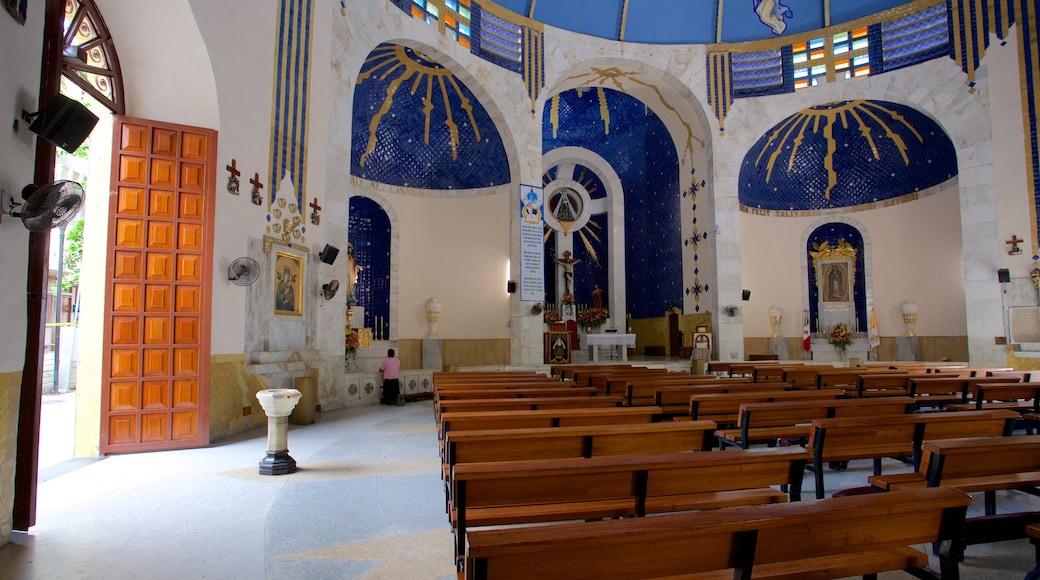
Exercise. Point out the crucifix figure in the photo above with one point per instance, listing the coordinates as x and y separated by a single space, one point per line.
1014 242
232 180
257 186
316 213
568 274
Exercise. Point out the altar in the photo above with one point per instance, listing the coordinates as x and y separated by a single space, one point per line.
824 351
611 339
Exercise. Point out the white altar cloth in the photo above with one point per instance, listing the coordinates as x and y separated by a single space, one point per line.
611 339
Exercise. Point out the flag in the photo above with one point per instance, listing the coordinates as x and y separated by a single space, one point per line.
806 335
875 334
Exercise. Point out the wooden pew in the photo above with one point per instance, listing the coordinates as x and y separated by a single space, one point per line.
880 385
547 418
520 392
1033 531
644 391
972 464
898 436
934 392
769 422
724 408
573 442
805 377
675 401
522 403
552 490
878 533
1021 397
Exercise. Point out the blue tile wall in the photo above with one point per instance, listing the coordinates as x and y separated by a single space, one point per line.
369 232
402 155
588 273
803 183
641 151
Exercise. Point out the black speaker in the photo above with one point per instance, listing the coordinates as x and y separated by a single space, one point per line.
745 294
511 286
1003 275
64 122
328 254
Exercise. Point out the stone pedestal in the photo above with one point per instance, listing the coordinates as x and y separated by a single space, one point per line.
432 353
778 346
907 348
278 404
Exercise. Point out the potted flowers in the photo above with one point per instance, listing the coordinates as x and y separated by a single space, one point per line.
352 342
840 338
549 316
592 317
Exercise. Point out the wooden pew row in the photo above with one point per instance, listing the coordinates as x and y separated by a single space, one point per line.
644 392
789 541
973 464
897 436
547 418
554 490
601 380
572 442
1020 397
770 422
519 392
724 408
675 401
500 382
565 371
523 403
585 376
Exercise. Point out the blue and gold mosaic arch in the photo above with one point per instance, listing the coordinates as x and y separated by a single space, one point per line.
845 154
416 124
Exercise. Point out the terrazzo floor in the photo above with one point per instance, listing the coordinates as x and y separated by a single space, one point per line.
367 502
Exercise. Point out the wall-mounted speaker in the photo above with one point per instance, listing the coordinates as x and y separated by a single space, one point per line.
328 254
1003 275
64 122
511 286
745 294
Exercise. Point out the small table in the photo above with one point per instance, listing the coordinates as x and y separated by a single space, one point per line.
611 339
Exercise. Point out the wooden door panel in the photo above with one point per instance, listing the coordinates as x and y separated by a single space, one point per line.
164 142
161 203
155 395
127 265
131 201
156 373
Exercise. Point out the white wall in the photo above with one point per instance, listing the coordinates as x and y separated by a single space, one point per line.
20 69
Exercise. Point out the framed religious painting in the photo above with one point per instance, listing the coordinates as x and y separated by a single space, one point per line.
288 284
834 282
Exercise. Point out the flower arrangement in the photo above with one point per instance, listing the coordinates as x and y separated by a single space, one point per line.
550 316
840 338
594 316
352 342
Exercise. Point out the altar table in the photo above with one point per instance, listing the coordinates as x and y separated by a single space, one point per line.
611 339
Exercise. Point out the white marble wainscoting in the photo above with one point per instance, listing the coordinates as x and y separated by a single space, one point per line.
277 369
363 388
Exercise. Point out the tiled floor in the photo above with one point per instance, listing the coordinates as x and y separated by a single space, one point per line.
367 502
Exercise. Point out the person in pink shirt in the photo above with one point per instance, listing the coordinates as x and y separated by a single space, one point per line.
391 369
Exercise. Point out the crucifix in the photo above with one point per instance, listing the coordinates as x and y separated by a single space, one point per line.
257 186
316 213
232 180
1014 242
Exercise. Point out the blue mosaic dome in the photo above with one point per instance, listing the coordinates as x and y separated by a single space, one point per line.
846 154
415 124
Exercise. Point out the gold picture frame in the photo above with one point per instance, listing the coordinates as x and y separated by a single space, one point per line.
288 284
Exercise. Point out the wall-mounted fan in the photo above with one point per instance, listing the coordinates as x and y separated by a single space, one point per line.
48 206
243 271
329 290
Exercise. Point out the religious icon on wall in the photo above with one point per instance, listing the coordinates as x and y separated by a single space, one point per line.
288 284
835 287
566 206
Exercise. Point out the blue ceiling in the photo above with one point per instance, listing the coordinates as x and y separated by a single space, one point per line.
694 21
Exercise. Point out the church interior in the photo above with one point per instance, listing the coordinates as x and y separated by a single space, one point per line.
276 192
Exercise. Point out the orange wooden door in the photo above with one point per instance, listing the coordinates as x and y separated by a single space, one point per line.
155 391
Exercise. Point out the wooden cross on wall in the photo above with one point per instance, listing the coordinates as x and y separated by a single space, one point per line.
257 186
232 180
1014 242
316 213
